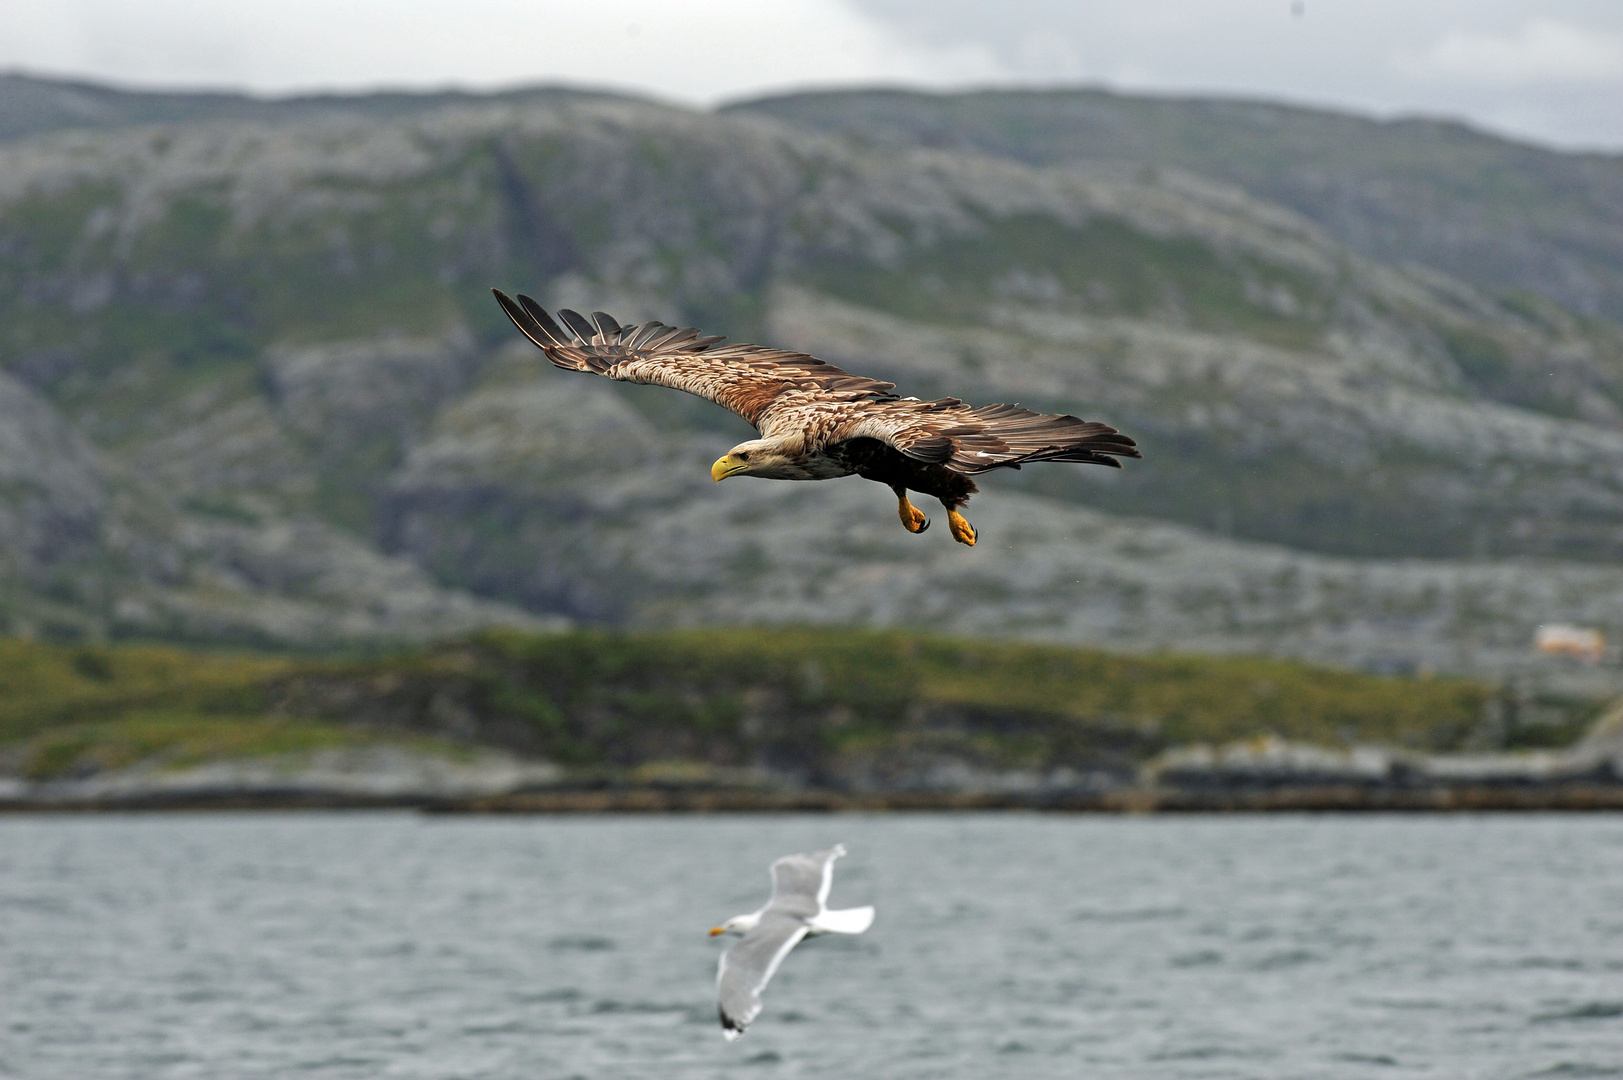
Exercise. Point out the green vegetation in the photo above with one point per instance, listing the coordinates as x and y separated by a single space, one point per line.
800 699
1105 266
76 710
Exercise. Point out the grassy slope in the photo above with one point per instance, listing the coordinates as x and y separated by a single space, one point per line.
77 710
786 698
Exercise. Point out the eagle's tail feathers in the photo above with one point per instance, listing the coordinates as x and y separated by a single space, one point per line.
1013 435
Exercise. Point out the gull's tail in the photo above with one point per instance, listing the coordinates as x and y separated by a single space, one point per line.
850 921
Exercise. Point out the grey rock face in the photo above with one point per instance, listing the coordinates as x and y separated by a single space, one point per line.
376 773
343 395
511 490
1364 420
87 546
52 491
1481 208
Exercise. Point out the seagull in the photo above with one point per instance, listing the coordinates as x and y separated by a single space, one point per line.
798 909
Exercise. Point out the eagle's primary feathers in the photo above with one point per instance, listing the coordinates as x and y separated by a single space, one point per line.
818 422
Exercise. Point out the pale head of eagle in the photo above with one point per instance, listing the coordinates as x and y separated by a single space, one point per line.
776 459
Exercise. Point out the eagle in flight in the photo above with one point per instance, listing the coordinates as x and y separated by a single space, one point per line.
818 422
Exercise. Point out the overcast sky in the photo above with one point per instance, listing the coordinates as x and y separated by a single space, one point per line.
1551 71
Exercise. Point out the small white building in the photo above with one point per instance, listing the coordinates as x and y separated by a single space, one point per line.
1563 639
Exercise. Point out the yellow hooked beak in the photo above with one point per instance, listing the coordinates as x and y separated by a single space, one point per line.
727 466
718 929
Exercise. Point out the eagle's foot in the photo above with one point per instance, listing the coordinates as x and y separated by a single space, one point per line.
962 531
913 519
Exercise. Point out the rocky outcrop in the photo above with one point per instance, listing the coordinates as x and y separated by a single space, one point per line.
1432 192
52 490
379 774
1273 762
88 548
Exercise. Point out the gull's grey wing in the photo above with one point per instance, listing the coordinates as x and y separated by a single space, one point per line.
800 883
748 966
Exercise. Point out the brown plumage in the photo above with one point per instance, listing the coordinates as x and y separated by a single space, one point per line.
817 421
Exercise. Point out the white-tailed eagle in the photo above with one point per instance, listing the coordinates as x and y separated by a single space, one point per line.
818 422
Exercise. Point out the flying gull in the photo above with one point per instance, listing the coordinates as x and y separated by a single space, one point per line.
798 908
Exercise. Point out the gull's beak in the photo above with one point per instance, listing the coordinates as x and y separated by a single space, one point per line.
714 930
725 466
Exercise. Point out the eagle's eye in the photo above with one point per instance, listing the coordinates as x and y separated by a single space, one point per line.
744 456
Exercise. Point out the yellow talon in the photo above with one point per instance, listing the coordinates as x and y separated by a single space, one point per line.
962 531
913 519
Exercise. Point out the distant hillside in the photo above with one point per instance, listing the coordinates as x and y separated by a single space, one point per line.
1484 209
283 408
31 105
837 708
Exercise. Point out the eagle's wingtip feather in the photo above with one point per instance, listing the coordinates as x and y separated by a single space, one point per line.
523 318
578 323
539 315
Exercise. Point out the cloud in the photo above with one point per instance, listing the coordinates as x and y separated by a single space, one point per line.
1531 67
1542 51
689 50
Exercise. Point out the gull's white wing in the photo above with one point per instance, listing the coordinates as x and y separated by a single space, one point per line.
748 966
850 921
800 883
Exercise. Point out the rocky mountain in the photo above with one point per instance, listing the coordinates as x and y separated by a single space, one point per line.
282 406
30 105
1487 210
1493 212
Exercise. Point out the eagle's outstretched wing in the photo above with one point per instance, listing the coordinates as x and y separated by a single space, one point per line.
747 379
968 439
751 379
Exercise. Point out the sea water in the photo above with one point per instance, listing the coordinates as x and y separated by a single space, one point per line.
227 946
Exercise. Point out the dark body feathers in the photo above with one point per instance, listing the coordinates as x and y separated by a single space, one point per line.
873 460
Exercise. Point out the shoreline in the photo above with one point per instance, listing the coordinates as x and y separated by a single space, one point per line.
1285 798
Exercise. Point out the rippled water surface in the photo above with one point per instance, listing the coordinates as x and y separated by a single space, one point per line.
393 945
